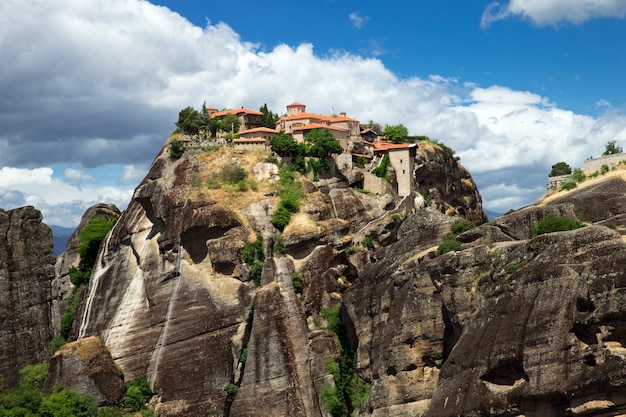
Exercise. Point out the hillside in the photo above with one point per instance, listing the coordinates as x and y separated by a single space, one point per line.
352 307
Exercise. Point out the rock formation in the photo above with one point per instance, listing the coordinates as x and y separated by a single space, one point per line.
86 366
26 270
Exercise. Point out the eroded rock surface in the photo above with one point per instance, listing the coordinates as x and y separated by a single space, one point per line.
26 270
86 366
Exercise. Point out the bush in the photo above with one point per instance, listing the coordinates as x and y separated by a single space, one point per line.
138 392
232 174
91 237
462 226
55 344
177 149
253 255
296 280
368 242
281 218
231 392
578 175
279 247
78 277
552 223
449 245
567 185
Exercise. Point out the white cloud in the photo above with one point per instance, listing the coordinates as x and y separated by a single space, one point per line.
357 20
550 12
106 80
77 177
12 176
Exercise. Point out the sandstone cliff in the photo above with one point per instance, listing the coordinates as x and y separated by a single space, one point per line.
26 270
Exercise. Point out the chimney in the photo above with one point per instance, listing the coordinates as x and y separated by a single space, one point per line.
342 114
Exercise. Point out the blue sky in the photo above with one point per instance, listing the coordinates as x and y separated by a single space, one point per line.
91 88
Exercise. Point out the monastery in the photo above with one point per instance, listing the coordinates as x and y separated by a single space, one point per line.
358 145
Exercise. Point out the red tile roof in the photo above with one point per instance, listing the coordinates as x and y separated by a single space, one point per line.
236 112
249 140
259 129
320 126
386 146
294 104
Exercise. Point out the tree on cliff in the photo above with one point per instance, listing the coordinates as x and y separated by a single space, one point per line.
269 118
189 121
284 145
229 123
322 143
611 148
396 133
560 168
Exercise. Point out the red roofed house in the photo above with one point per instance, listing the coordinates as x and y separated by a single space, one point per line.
257 138
249 119
298 123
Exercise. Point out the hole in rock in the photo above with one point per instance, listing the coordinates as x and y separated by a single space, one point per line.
224 268
507 373
589 360
194 240
585 334
391 370
584 305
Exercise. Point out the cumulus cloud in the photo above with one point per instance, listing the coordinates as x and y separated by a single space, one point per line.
106 79
550 12
76 177
357 20
12 176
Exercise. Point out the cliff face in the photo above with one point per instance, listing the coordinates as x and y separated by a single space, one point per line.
26 270
173 300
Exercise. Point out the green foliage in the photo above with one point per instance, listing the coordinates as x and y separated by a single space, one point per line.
281 218
578 175
109 412
68 403
232 174
229 123
243 356
55 344
395 217
138 392
368 242
462 226
445 147
67 320
426 195
381 170
279 247
231 392
25 398
560 168
322 143
611 148
284 145
396 133
177 149
78 277
552 223
349 391
90 238
254 256
513 267
189 121
604 169
567 185
296 280
449 245
269 118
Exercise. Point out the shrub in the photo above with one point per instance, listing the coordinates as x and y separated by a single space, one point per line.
552 223
177 149
395 217
449 245
138 392
462 226
567 185
604 169
91 237
279 248
232 174
368 242
381 170
578 175
231 392
281 218
55 344
513 267
296 280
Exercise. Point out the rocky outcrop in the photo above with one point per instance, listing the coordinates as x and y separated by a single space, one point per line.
453 192
86 366
61 285
26 269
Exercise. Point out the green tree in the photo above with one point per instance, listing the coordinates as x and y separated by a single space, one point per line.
560 168
189 121
138 392
230 123
177 149
611 148
322 143
396 133
553 223
285 145
269 118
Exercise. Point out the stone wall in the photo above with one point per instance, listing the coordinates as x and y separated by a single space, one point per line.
595 164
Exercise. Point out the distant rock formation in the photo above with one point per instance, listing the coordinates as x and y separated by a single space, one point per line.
26 270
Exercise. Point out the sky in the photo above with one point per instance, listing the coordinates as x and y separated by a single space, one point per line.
90 89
